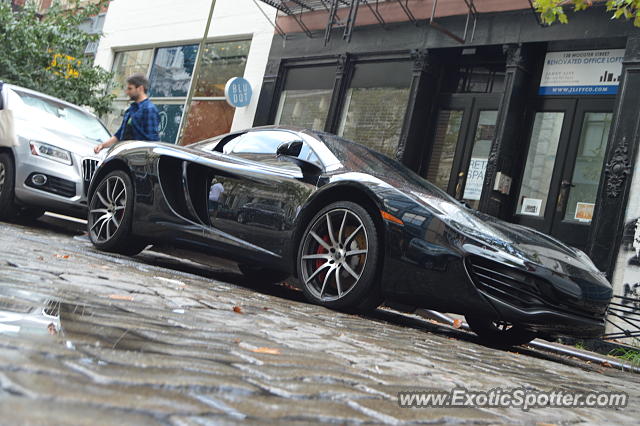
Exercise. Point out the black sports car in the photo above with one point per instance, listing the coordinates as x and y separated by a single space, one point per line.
354 227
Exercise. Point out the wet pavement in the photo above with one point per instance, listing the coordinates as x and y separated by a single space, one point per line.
94 338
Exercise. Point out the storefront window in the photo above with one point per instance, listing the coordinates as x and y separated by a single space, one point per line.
485 133
541 160
444 147
113 120
373 117
172 70
126 64
304 108
220 62
170 116
200 124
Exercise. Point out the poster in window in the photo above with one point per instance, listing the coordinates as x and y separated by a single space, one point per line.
531 206
584 212
475 178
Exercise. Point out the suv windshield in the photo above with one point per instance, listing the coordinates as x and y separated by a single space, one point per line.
83 123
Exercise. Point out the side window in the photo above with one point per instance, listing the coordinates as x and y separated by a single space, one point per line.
258 143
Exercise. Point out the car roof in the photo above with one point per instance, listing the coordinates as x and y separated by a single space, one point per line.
49 97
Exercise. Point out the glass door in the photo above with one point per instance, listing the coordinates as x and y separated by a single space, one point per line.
465 130
581 173
565 157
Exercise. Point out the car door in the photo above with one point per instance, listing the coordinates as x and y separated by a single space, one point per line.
258 205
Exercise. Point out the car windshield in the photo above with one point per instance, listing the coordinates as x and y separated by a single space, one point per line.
84 124
356 157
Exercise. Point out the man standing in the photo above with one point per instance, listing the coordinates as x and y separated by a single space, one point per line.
141 119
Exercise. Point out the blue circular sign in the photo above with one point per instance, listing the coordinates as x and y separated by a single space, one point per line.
238 92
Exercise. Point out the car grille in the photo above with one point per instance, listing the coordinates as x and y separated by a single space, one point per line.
505 283
89 167
523 289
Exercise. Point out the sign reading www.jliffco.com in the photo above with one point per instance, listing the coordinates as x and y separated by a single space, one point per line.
582 72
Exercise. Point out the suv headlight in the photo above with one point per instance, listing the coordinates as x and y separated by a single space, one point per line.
51 152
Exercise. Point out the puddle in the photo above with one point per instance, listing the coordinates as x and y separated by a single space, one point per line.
24 313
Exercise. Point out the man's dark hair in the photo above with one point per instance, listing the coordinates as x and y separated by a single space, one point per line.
139 80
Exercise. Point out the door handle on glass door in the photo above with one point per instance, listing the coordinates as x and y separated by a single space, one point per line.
566 184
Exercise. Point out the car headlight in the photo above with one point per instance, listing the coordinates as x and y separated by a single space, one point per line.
51 152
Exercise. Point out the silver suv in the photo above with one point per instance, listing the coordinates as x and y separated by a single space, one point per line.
46 154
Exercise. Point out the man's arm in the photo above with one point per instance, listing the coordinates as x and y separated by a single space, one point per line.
106 144
113 139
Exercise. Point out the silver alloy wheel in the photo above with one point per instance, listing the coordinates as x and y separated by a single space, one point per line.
2 177
334 254
107 209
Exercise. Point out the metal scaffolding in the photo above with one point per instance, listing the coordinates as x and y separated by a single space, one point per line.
347 21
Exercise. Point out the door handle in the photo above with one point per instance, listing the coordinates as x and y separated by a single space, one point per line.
566 184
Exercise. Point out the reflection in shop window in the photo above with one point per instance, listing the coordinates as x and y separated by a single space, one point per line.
304 108
588 166
220 63
126 64
541 160
374 116
171 71
444 147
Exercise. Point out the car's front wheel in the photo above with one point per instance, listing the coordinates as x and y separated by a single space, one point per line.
499 333
8 208
111 214
338 258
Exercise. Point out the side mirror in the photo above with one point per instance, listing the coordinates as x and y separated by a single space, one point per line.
290 152
289 149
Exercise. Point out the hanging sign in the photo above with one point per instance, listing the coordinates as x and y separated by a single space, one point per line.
238 92
581 72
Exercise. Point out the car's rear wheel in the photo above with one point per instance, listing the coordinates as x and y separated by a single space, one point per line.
262 275
338 258
111 214
499 333
8 207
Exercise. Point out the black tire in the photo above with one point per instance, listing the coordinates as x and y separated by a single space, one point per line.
118 216
8 208
359 235
263 275
497 333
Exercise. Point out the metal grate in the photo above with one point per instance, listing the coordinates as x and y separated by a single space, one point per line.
626 311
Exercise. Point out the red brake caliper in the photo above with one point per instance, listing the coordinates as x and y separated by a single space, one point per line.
320 262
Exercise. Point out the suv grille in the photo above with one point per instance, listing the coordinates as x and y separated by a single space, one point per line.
89 167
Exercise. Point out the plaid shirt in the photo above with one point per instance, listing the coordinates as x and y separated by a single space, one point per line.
144 120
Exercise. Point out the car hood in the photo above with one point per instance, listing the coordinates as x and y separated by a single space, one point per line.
520 243
61 138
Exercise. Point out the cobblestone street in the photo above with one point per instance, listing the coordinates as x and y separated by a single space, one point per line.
91 338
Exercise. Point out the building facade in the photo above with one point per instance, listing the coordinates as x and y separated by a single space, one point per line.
160 38
535 124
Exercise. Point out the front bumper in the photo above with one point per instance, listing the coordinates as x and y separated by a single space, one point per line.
539 301
65 190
